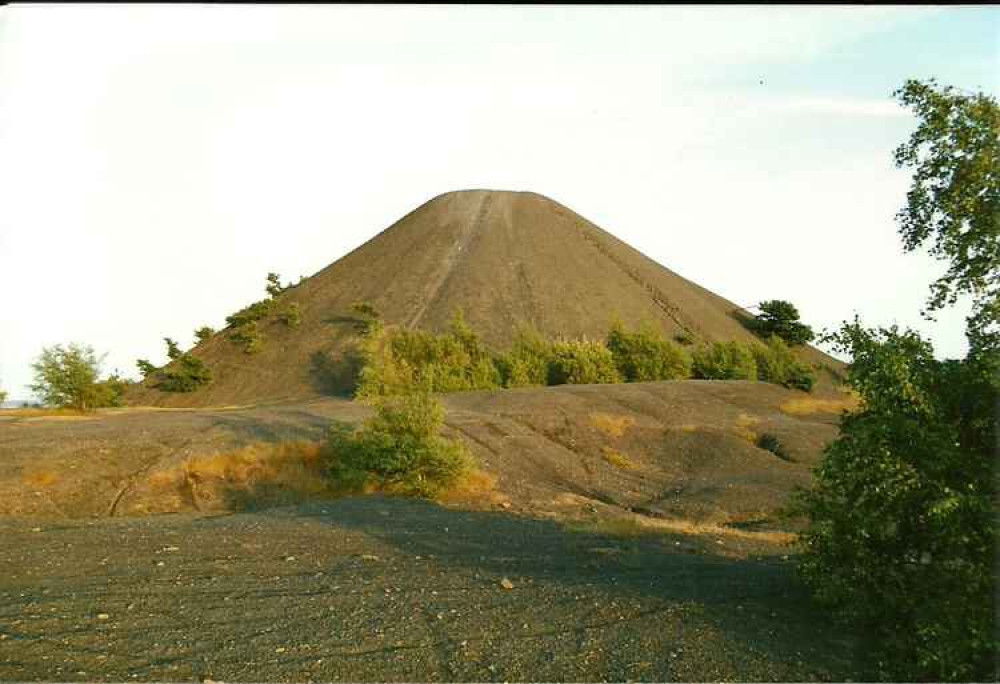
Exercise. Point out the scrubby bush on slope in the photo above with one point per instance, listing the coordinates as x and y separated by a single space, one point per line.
777 364
398 450
724 361
581 362
644 355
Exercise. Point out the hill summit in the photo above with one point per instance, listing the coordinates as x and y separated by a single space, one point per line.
502 258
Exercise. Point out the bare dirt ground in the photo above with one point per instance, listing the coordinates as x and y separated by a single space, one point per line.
630 533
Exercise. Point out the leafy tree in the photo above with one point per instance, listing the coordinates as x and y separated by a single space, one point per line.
67 376
781 318
3 396
901 539
274 286
248 334
399 449
203 333
173 351
526 363
145 367
954 198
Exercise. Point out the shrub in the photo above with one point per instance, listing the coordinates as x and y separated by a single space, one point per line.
769 442
68 377
145 367
399 361
526 363
370 318
203 333
684 338
274 287
781 318
173 351
644 355
249 336
251 313
724 361
581 362
399 450
777 364
901 537
186 374
292 316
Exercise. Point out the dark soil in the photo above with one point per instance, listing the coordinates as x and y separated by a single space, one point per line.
373 589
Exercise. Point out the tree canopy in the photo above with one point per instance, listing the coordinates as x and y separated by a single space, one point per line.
953 204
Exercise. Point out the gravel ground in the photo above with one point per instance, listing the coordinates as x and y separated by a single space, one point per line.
377 589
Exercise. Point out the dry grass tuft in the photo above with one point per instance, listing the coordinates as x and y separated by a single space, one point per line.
744 423
806 406
475 485
610 424
40 478
617 459
256 475
636 526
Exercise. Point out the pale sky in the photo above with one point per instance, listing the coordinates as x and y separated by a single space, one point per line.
157 161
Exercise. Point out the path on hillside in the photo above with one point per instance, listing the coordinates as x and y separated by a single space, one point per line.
444 274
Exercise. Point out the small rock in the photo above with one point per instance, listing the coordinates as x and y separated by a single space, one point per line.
506 583
171 548
505 504
289 558
103 616
36 529
369 557
280 649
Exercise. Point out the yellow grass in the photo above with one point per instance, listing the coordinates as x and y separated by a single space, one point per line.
40 478
253 474
806 406
617 459
744 423
610 424
476 485
635 526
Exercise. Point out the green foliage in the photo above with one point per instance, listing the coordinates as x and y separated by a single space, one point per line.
291 316
370 317
398 450
526 363
781 318
3 396
954 198
145 367
251 313
111 391
901 536
771 443
67 376
203 333
274 287
249 336
684 338
186 374
644 355
724 361
173 351
581 362
777 364
399 361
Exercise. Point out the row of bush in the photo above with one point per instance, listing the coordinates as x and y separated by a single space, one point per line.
397 361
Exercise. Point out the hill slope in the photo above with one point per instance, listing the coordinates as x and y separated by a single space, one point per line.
503 258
